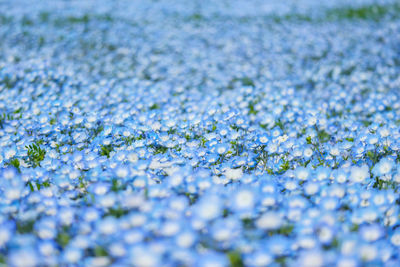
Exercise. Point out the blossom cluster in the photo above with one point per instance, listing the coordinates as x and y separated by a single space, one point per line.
148 133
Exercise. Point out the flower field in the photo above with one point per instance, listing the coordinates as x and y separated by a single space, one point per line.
200 133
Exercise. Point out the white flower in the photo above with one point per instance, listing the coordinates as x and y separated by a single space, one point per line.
233 174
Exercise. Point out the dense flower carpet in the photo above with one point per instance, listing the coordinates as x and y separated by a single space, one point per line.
200 133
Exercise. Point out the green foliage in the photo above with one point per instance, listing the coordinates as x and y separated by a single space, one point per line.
82 182
308 140
44 16
196 17
235 259
248 223
292 17
117 185
82 19
26 21
29 183
323 136
279 124
246 81
130 139
100 251
15 163
63 239
251 108
281 261
158 149
42 185
116 212
203 142
225 213
354 228
154 106
105 150
97 131
365 12
372 12
25 227
4 117
8 82
35 154
5 19
284 166
286 229
192 198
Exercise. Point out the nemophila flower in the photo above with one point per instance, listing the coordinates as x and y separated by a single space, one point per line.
385 252
233 174
144 256
9 153
243 200
269 199
340 176
122 171
263 139
97 133
368 252
208 207
209 259
308 152
302 173
47 249
290 185
322 173
359 174
6 232
97 261
221 148
91 214
330 203
269 221
225 230
369 214
334 151
278 245
46 228
395 238
72 255
212 158
66 216
371 233
347 261
272 147
311 188
258 258
107 226
372 139
25 257
383 167
186 239
311 258
170 228
379 199
99 188
238 162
